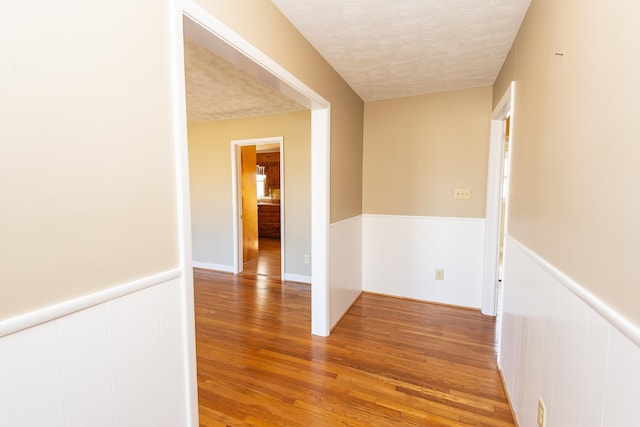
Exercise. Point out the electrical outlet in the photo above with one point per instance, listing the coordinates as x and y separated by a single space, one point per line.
542 413
462 194
307 259
439 274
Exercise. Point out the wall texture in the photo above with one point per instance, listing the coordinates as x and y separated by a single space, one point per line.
211 198
570 331
86 371
575 152
555 345
89 245
262 24
418 149
86 161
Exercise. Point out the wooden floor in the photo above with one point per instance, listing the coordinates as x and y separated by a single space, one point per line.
389 362
268 261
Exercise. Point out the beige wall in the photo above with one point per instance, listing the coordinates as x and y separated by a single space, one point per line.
86 159
418 149
262 24
504 79
210 175
575 163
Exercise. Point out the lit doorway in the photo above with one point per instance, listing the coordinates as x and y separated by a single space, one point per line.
207 31
500 149
259 209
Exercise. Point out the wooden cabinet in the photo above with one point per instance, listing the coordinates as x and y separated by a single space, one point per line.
271 162
268 220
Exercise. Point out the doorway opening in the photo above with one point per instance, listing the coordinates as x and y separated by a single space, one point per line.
500 149
504 201
258 206
199 25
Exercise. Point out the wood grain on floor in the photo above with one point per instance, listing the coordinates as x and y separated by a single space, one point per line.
389 362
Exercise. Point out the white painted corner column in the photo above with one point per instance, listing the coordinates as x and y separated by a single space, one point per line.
320 213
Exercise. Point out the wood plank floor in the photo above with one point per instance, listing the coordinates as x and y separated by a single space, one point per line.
268 261
389 362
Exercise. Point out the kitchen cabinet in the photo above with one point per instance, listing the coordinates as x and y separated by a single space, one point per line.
271 162
268 220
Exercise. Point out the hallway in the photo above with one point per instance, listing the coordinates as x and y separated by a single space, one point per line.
389 361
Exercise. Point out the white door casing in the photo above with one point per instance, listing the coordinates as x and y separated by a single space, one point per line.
494 196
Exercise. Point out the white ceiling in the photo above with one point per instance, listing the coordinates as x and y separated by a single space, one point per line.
217 90
393 48
382 48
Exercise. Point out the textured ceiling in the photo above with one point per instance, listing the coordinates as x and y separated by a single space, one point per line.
217 90
393 48
382 48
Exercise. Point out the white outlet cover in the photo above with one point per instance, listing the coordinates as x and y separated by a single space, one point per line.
542 413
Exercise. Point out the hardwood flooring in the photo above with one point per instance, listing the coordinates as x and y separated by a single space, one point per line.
268 261
389 362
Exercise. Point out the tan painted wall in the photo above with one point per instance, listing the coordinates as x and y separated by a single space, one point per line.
418 149
262 24
504 79
86 158
210 175
575 163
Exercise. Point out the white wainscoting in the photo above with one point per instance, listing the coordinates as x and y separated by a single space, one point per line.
345 266
566 348
401 254
120 362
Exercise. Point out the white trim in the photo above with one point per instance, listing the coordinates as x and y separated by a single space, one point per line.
320 184
282 209
213 267
236 211
46 314
211 33
300 278
494 198
350 219
428 218
618 321
236 194
183 199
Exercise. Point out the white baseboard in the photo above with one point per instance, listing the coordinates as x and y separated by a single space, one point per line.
297 278
214 267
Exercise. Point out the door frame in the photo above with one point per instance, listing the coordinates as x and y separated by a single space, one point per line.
495 174
188 17
236 194
201 26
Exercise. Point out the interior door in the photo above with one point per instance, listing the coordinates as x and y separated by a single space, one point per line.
249 203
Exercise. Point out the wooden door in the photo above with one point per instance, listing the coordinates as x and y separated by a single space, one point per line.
249 203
